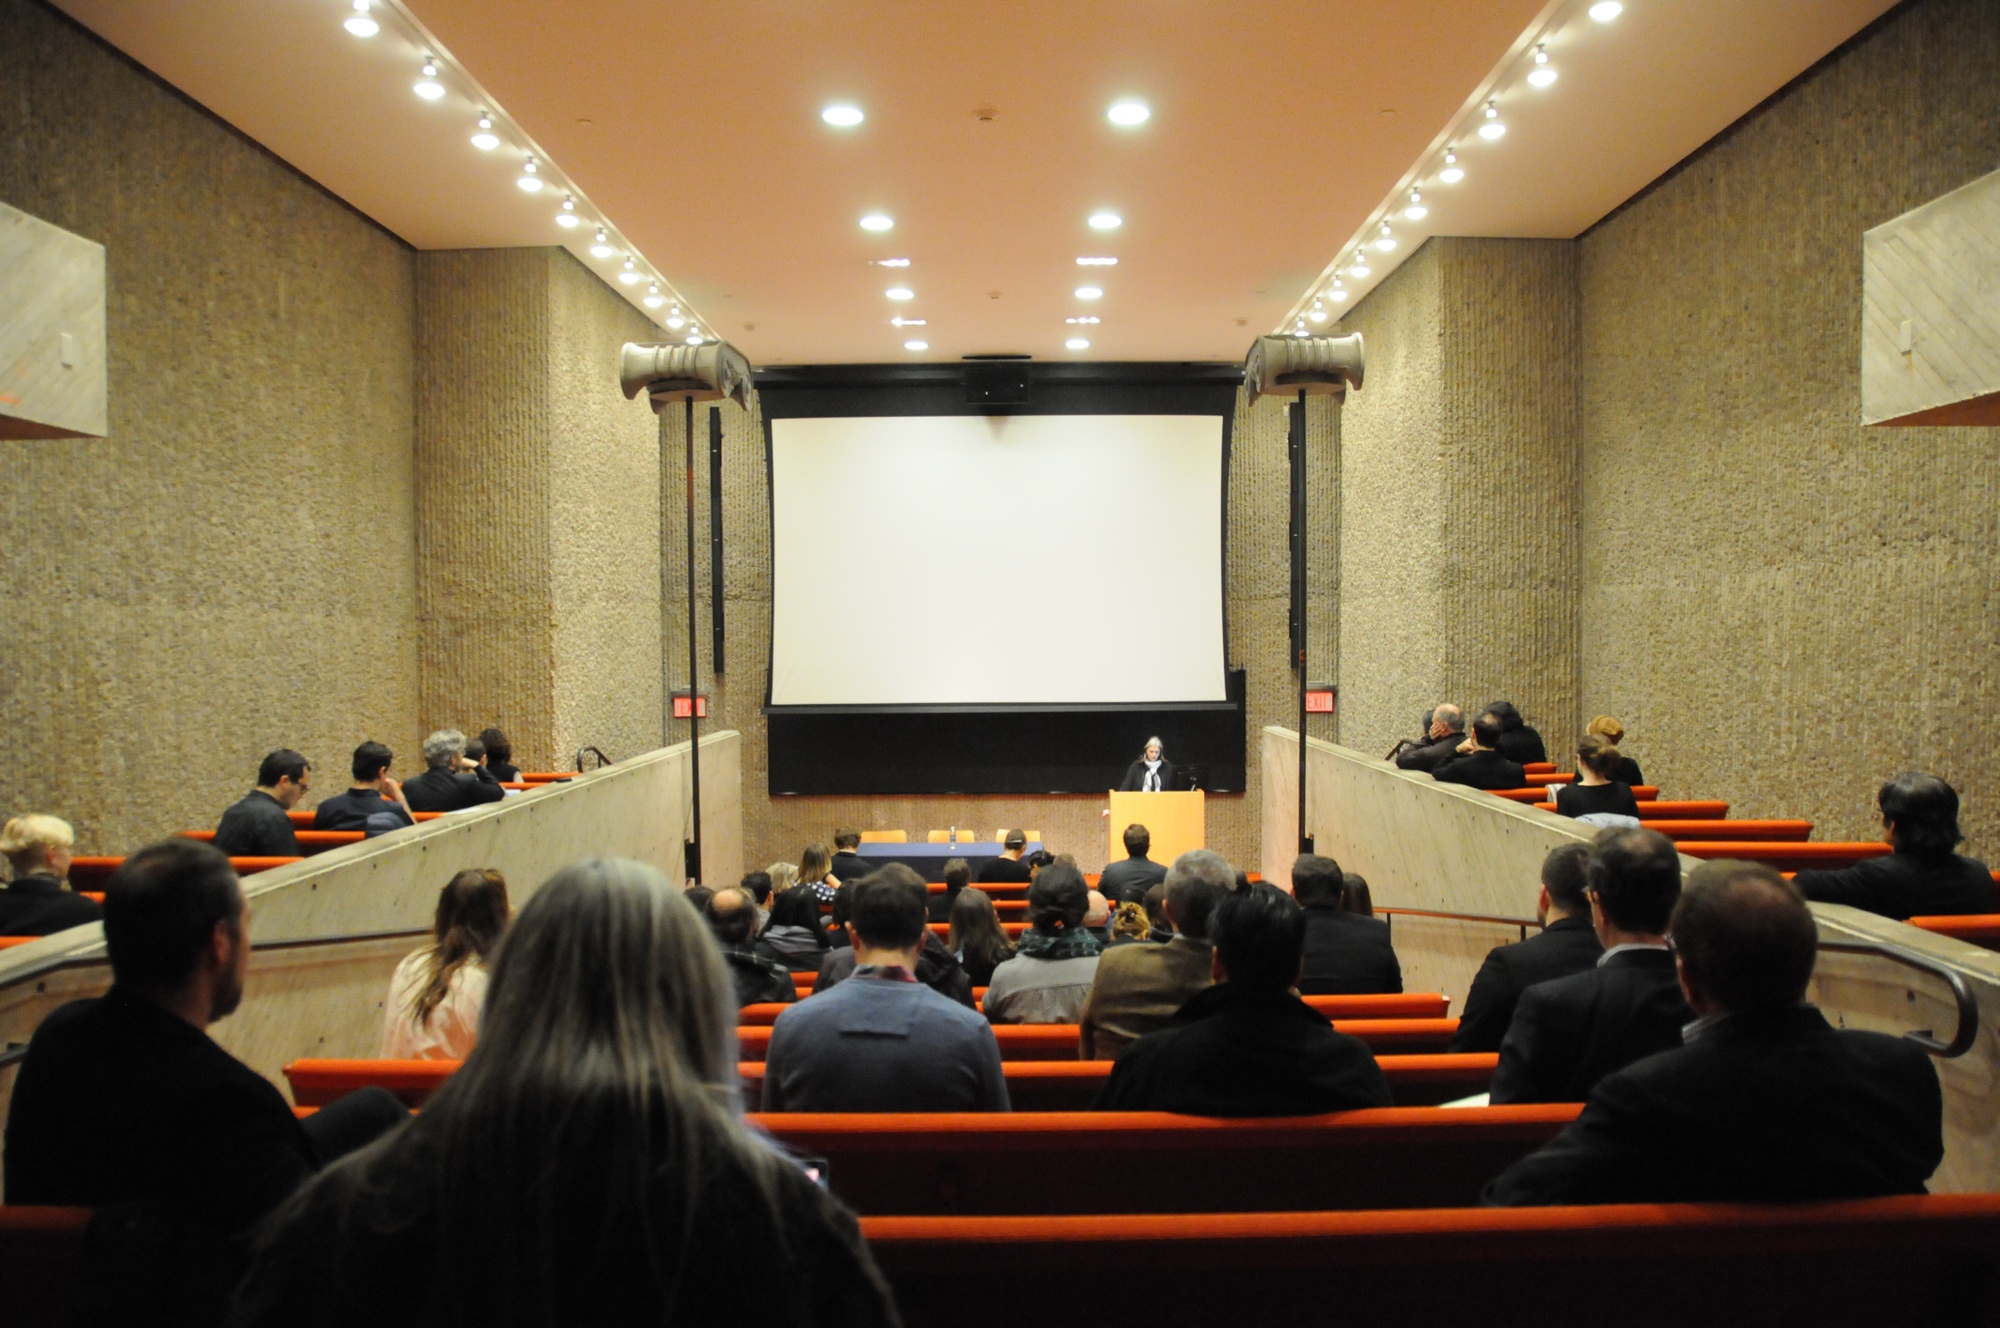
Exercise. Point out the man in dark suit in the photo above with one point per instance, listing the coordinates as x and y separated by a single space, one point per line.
1766 1102
849 865
1247 1046
258 826
125 1100
373 793
36 902
1151 773
1481 765
1441 740
450 783
1007 868
1131 879
1518 741
1566 944
1568 1034
1925 875
1346 954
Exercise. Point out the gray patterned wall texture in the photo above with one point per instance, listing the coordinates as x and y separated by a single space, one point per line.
233 568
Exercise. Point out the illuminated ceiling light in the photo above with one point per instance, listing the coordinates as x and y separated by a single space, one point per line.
486 140
1105 221
630 276
567 218
602 247
1097 262
875 221
694 338
1089 292
1543 73
1386 241
1084 318
1360 267
900 321
1300 330
1076 343
428 87
653 297
1128 113
889 262
1606 10
1416 211
1492 129
677 322
361 25
916 345
529 181
1338 293
1452 172
1318 314
842 117
900 293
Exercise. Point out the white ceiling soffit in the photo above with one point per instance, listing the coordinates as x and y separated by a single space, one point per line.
1279 136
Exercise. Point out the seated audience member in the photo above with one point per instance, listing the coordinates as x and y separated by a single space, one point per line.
1446 732
759 886
1518 742
1097 916
373 793
957 875
434 999
37 902
1569 1033
257 826
1925 875
475 752
1049 977
1137 871
883 1039
1156 910
794 936
836 916
698 897
589 1163
1765 1102
1478 764
450 783
1138 988
1007 869
732 916
848 864
1035 861
784 875
977 940
816 871
1130 925
937 968
1247 1046
499 756
124 1099
1595 793
1566 944
1346 953
1625 770
1356 897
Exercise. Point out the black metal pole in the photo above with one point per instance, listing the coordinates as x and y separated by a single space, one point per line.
1303 580
694 678
715 652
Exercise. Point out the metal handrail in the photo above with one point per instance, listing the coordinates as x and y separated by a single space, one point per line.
1496 919
1961 991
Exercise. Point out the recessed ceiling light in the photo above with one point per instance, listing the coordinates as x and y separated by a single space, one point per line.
875 221
1076 343
1606 10
1105 221
1088 292
567 218
843 117
906 322
1128 113
1097 262
602 248
900 293
1543 73
916 345
486 140
428 87
1087 318
1416 211
1452 172
890 262
361 25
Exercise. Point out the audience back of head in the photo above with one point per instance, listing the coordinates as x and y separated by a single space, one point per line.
162 910
1745 938
1635 877
1195 884
1565 875
888 912
1259 935
1355 896
759 885
1599 754
36 842
1487 729
1138 840
1058 899
1317 881
1923 811
732 915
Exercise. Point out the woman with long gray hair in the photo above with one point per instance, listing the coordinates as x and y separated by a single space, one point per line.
587 1165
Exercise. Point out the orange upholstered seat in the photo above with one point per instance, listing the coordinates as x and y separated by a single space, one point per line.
1737 830
1058 1042
1978 928
1400 1005
1784 856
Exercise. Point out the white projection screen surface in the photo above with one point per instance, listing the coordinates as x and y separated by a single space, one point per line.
997 560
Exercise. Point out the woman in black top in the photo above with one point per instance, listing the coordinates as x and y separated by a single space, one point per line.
1609 729
500 756
1594 791
977 937
1518 740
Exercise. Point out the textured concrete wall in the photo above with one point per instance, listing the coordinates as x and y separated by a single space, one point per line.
231 570
1256 598
538 491
1785 607
1459 491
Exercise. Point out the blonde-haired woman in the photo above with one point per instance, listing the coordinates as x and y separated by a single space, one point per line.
1624 770
37 902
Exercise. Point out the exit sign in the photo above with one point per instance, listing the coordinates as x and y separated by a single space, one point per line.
1320 697
685 707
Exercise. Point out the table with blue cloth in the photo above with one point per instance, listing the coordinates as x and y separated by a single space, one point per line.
929 859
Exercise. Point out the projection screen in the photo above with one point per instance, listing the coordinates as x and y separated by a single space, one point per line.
997 560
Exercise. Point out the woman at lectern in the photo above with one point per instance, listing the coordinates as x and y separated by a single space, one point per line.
1151 773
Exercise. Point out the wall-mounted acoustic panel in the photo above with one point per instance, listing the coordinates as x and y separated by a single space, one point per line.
52 364
1930 312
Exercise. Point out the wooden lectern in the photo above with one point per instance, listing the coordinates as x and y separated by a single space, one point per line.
1177 822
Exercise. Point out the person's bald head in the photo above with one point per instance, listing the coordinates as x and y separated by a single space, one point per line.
1450 716
732 915
1744 937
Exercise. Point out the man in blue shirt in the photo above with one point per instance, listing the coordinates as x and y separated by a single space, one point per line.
881 1040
